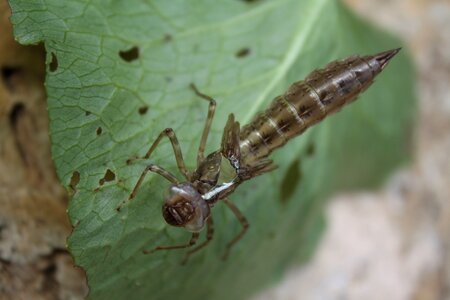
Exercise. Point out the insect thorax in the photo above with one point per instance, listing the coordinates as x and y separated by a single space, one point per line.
215 177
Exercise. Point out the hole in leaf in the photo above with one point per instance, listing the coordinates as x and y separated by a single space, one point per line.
130 55
53 66
290 181
74 180
130 160
143 110
99 131
109 176
243 52
87 113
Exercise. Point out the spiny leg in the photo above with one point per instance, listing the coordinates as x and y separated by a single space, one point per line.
150 168
209 236
168 132
158 170
207 128
243 222
191 243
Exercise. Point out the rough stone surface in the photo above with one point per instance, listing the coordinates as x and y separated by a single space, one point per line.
33 223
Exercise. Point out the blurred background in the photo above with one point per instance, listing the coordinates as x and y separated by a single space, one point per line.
394 243
34 263
388 244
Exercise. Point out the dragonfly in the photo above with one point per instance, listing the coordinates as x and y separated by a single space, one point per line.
243 153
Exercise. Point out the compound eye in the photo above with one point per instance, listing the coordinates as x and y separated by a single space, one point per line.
171 216
178 214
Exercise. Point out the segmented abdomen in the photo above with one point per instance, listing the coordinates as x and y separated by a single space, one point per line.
307 102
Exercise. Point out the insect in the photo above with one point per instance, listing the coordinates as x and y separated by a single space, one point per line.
243 152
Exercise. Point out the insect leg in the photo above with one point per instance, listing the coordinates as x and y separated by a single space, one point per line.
150 168
243 222
207 128
209 236
168 132
191 243
158 170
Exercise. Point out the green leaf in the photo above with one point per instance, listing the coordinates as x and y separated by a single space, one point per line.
119 73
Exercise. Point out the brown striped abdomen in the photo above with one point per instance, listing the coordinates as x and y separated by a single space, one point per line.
307 102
